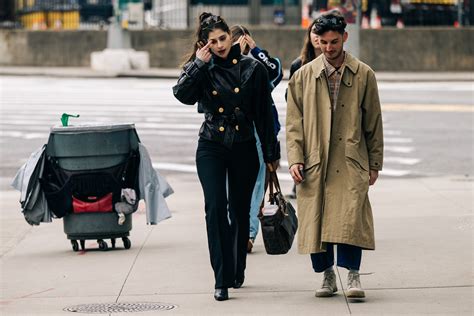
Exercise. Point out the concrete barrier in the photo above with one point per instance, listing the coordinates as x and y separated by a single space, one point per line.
422 49
418 49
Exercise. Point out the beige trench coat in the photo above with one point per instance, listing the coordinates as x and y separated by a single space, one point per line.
333 203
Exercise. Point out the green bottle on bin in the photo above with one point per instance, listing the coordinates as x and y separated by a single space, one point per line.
65 118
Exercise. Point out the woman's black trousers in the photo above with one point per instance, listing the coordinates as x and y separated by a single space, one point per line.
227 177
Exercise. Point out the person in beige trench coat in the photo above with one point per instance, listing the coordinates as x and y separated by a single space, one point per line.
335 150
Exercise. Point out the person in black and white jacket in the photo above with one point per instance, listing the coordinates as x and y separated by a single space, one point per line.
248 47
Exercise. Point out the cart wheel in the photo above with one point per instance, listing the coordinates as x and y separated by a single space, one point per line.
102 245
113 242
126 242
75 245
83 244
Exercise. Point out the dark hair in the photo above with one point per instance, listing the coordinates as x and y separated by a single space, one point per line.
307 52
207 23
237 31
330 21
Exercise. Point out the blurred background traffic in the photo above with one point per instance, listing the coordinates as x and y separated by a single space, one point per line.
180 14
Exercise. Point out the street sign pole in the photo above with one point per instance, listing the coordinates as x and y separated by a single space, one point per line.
117 37
353 43
460 5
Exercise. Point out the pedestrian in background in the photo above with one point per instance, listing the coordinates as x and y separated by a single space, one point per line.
335 151
234 94
310 51
248 47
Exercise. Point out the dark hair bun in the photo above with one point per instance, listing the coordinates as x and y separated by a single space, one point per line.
204 16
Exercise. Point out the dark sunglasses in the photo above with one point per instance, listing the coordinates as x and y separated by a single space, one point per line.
323 22
211 21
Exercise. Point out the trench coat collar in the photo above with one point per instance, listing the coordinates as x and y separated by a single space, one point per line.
351 63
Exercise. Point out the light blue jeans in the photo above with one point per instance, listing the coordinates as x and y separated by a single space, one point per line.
258 192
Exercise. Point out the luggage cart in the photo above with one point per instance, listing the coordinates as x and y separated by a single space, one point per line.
98 226
91 160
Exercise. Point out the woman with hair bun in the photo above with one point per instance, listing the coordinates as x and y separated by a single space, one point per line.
234 93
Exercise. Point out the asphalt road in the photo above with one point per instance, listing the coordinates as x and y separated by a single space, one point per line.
428 126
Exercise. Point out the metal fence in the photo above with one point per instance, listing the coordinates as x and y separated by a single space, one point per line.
181 14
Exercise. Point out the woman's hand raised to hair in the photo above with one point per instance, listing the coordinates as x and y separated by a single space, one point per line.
204 53
250 41
243 43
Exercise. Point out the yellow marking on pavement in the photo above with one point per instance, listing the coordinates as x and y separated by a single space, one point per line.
428 108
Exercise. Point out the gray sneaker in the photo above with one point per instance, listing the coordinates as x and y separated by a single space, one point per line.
354 289
329 286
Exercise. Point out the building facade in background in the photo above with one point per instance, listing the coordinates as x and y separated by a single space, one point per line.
181 14
381 13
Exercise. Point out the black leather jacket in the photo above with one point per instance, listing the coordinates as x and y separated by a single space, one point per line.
234 94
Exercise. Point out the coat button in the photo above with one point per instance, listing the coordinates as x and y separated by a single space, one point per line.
221 128
236 127
214 92
237 108
221 110
236 90
340 138
342 105
234 61
337 171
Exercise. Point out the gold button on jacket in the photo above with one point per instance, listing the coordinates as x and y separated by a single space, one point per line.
234 61
221 110
236 90
214 92
221 128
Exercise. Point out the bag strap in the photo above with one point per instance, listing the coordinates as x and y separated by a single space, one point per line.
275 181
267 183
271 183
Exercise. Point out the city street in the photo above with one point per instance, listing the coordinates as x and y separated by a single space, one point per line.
422 206
428 126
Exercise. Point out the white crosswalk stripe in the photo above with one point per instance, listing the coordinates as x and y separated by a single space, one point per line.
29 106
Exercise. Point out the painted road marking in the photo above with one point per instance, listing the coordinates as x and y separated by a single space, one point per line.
399 149
397 140
427 108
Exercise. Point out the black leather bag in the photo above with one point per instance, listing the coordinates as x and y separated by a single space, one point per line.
279 229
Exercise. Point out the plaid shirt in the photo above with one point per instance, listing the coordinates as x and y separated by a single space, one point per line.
334 79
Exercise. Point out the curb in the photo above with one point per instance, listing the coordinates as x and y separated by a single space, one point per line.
173 73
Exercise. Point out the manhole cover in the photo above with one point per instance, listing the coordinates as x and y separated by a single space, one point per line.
105 308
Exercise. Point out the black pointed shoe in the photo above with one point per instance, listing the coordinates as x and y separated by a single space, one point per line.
221 294
239 282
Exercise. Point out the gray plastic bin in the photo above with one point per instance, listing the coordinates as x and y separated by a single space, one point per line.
90 147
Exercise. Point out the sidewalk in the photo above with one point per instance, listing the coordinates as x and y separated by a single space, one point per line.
172 73
422 265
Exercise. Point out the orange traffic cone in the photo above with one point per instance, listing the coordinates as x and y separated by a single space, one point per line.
400 24
305 17
375 20
305 22
365 22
